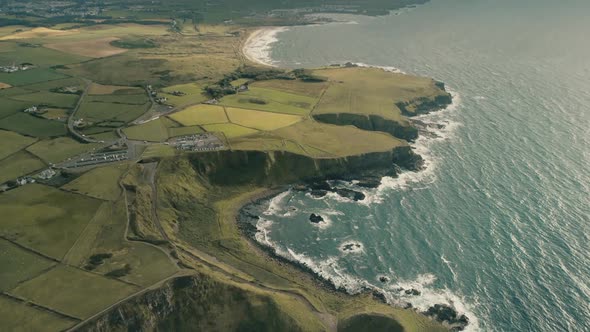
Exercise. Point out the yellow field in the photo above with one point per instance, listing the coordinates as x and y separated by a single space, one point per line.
200 115
39 33
99 89
337 141
94 48
309 89
259 119
4 86
230 130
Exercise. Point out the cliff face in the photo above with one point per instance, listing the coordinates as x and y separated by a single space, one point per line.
195 303
425 105
371 123
280 168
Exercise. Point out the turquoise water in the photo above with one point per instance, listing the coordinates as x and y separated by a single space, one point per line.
498 225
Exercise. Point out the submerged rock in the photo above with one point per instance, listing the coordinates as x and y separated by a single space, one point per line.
448 314
383 279
318 193
351 194
412 291
369 182
315 218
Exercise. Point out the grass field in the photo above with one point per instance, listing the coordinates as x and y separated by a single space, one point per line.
311 89
230 130
44 218
11 142
134 99
153 131
49 99
59 149
73 291
21 317
260 120
159 150
48 85
101 182
193 94
371 91
271 100
181 131
200 115
92 48
38 33
37 55
30 76
17 165
99 89
10 106
32 126
19 264
58 114
337 141
95 111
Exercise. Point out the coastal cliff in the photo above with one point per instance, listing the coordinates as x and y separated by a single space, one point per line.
275 168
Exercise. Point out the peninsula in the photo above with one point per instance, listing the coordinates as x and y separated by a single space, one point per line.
128 149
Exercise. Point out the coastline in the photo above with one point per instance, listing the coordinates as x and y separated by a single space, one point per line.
258 45
257 50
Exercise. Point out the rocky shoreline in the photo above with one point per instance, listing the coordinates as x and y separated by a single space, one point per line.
402 161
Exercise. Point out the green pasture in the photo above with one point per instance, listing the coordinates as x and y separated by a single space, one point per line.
19 164
11 142
33 126
44 218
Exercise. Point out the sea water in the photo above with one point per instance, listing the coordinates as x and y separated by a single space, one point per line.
498 223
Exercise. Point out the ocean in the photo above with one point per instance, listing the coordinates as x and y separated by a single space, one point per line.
498 225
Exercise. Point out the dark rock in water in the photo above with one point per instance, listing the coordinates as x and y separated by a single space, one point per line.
351 247
350 194
318 193
408 305
250 215
369 182
321 185
379 296
383 279
447 314
412 291
316 219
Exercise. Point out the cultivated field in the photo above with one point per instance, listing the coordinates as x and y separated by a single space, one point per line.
45 219
230 130
19 265
260 120
19 164
193 94
11 142
74 291
33 126
200 115
59 149
99 89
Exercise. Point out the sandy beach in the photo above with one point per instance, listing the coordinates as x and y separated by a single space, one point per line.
258 45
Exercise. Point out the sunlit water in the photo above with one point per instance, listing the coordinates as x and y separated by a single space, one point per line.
499 222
